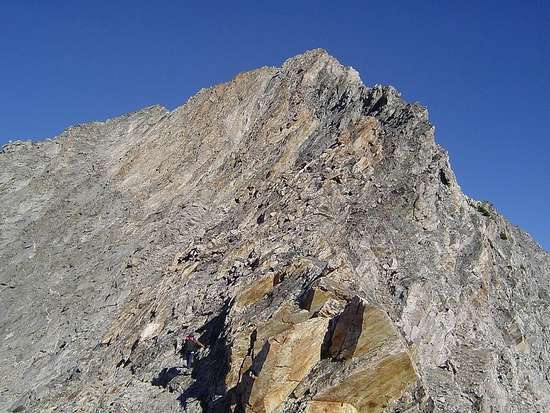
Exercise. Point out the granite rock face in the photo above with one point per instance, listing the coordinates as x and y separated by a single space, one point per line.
307 227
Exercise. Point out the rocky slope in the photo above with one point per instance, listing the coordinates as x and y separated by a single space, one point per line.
305 225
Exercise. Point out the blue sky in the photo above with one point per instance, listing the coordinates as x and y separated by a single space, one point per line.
481 67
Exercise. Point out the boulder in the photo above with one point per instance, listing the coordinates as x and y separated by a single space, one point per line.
284 361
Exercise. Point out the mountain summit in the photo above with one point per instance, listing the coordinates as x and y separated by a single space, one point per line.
305 227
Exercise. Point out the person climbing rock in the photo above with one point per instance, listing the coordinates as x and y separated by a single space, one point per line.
190 346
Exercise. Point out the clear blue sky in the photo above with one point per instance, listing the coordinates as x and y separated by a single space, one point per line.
481 67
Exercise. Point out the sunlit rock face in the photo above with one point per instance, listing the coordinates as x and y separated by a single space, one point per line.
308 230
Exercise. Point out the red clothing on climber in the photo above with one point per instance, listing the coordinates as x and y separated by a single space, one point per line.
190 346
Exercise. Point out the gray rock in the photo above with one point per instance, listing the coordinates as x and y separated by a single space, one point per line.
281 215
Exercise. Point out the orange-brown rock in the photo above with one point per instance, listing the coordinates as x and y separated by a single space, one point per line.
283 362
256 290
249 343
373 388
314 299
360 329
319 406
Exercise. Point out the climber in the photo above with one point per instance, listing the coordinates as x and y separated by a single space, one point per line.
190 346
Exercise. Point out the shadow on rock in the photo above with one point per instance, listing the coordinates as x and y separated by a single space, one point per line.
210 370
165 376
244 388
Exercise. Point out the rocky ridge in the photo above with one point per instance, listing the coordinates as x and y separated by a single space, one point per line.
307 226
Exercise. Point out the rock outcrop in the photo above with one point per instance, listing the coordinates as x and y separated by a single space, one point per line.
305 226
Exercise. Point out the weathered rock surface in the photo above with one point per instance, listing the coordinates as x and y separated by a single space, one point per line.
307 226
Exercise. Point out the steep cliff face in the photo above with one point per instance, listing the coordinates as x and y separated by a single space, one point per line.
305 225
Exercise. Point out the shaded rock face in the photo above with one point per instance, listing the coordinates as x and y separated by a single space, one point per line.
305 226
